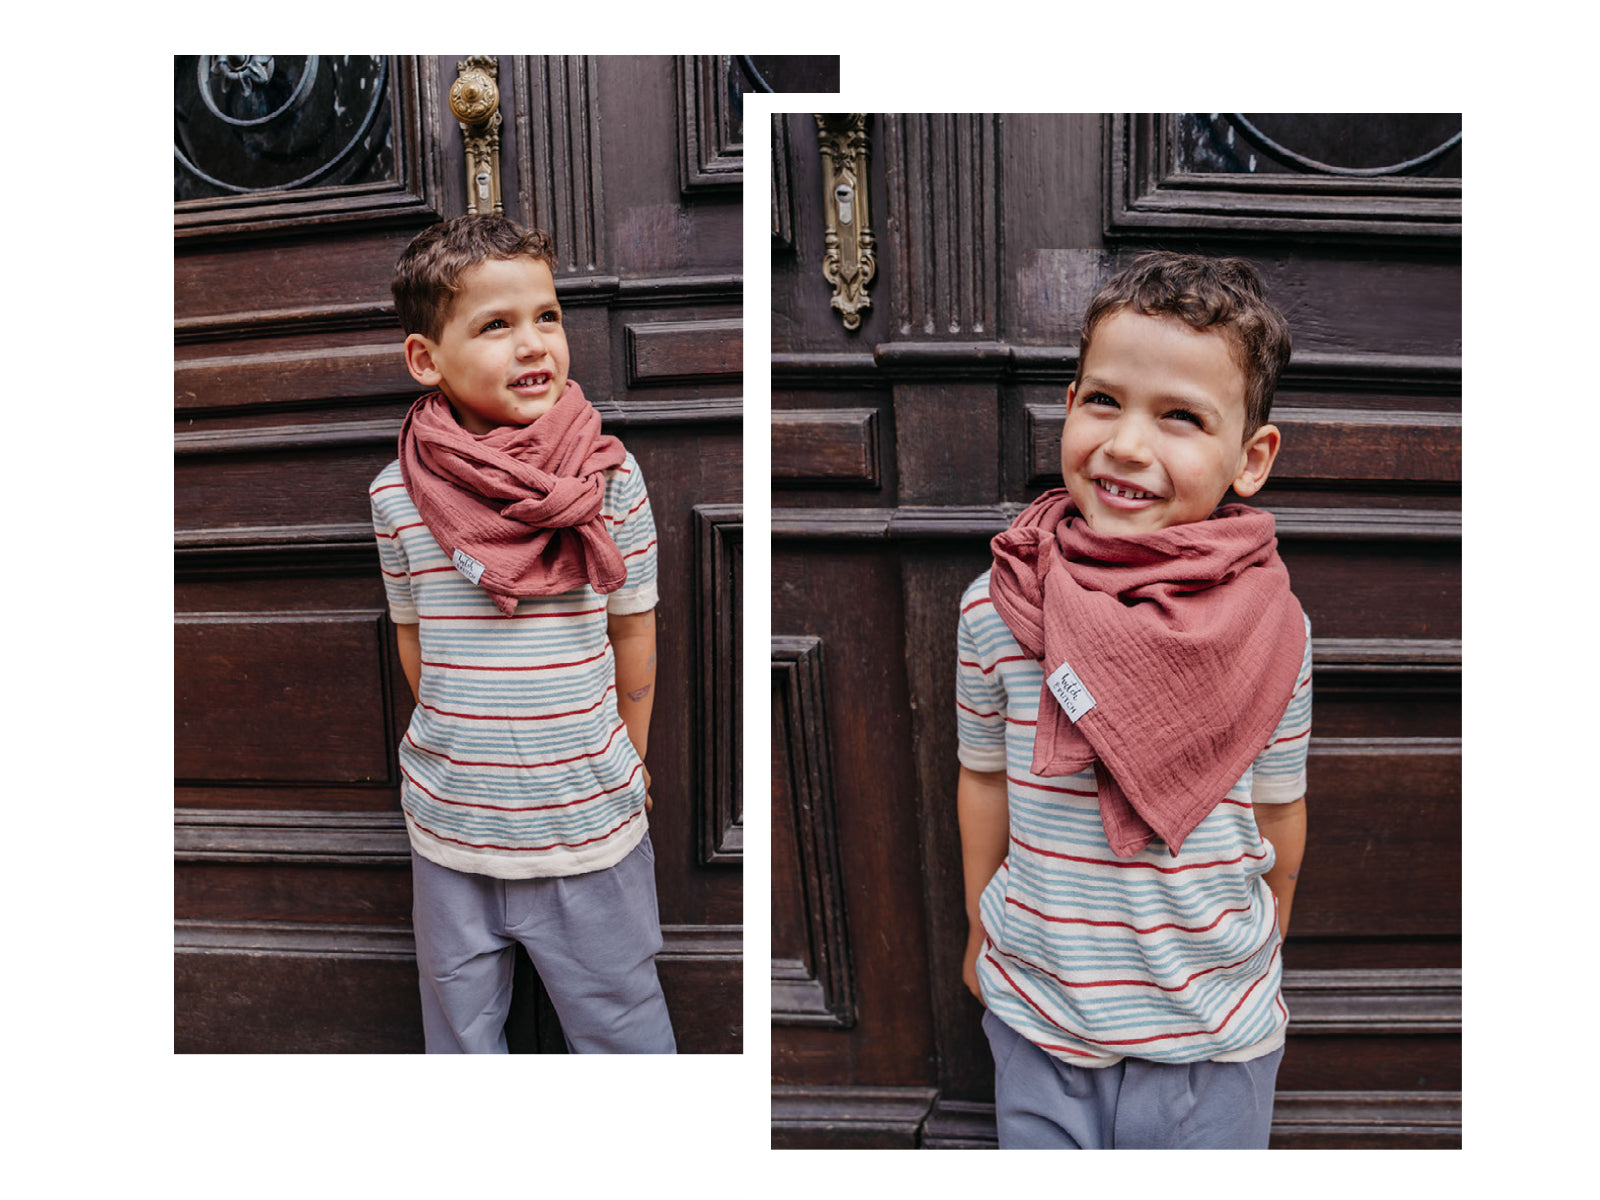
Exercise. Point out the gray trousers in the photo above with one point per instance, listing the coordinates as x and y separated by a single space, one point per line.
593 939
1042 1103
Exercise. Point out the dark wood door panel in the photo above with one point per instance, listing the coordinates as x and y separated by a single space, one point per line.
1383 841
848 606
300 487
290 379
1375 589
281 698
237 884
704 991
1400 1062
312 282
293 990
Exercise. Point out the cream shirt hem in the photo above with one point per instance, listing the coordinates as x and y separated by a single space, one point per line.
540 864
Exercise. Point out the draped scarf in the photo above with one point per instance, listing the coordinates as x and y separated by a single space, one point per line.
517 508
1187 640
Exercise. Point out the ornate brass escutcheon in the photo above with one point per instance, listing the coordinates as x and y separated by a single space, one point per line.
848 262
475 101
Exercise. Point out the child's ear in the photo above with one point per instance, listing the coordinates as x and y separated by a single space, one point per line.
419 360
1072 394
1255 460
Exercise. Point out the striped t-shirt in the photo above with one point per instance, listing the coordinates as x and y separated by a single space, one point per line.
516 763
1094 957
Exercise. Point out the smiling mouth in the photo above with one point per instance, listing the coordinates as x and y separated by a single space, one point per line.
533 379
1124 492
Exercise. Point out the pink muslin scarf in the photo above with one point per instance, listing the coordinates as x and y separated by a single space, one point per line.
1188 639
517 508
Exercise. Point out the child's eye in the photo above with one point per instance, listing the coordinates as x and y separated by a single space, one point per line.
1183 414
550 317
1099 398
494 324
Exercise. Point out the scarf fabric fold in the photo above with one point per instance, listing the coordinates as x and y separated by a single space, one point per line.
521 503
1188 639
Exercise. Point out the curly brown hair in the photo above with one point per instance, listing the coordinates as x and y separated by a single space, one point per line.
1206 293
426 277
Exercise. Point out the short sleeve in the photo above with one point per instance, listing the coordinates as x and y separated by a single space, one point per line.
633 527
1278 775
396 570
980 696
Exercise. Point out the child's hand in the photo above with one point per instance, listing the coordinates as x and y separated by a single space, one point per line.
969 963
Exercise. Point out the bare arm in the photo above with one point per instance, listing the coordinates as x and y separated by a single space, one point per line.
410 656
985 837
1284 825
633 644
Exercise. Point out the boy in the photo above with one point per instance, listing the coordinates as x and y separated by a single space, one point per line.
1133 705
518 550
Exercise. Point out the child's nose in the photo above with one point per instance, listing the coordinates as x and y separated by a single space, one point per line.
531 344
1130 440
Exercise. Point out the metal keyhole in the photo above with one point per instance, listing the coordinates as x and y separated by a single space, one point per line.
845 195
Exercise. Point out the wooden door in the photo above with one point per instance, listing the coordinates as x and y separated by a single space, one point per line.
298 182
899 447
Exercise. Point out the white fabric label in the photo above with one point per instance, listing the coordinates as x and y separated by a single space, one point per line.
1069 691
467 565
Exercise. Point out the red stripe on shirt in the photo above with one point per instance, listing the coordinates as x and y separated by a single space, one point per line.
577 712
640 550
1159 1037
1045 787
1127 864
1043 916
997 662
552 846
497 616
1033 966
1022 995
538 667
975 712
416 783
619 520
517 766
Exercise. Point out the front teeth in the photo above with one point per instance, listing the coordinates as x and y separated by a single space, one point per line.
1126 493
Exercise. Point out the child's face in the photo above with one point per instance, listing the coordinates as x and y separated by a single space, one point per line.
1155 428
501 358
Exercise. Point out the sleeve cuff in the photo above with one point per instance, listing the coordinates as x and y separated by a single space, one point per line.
975 759
1277 791
631 600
